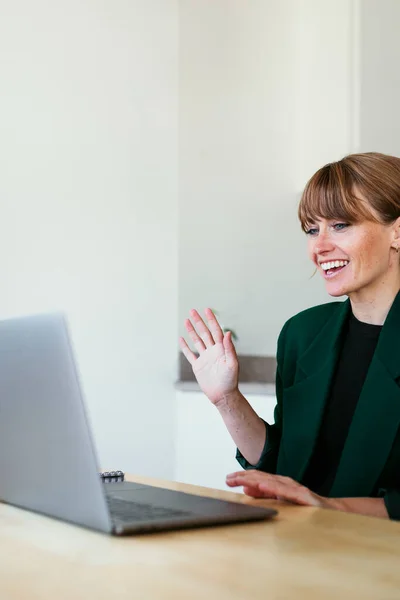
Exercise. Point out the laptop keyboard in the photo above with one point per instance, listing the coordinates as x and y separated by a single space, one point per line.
128 511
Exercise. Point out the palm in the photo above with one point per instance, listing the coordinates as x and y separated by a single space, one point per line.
216 367
215 373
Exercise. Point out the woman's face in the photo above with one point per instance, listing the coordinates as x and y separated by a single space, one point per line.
352 258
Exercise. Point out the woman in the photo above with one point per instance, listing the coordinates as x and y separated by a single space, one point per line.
335 442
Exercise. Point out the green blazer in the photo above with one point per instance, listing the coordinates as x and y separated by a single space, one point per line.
308 349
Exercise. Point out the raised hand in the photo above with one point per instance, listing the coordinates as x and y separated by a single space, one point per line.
216 368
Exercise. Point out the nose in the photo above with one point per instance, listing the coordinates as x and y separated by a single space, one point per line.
323 244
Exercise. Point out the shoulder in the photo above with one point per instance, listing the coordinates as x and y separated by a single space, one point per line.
314 317
303 327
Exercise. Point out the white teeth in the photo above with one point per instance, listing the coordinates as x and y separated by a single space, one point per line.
334 263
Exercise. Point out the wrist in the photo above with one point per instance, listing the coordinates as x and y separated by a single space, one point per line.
229 400
332 503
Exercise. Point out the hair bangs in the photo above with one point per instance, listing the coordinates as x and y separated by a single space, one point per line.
330 194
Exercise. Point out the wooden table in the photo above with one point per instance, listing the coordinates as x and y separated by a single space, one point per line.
303 553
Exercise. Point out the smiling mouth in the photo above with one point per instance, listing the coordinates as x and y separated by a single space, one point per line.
333 268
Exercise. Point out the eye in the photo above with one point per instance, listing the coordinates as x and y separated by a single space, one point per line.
311 231
340 226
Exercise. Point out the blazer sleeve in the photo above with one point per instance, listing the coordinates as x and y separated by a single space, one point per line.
392 503
269 455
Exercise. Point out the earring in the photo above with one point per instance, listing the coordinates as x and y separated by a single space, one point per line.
396 248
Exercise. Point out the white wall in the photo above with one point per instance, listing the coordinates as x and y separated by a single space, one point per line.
380 76
88 203
266 98
326 80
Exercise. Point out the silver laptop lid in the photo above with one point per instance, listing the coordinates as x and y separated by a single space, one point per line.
47 458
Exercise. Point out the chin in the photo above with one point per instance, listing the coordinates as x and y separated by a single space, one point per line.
341 285
337 291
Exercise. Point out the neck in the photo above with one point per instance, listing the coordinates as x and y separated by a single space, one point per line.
373 308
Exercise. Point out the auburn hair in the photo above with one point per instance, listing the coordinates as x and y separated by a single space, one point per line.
358 187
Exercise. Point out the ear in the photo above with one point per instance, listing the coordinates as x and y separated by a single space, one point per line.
396 234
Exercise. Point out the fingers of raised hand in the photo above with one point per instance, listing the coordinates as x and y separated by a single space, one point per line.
214 326
194 336
187 351
202 336
199 333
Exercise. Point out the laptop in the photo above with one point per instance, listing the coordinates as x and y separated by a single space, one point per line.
48 461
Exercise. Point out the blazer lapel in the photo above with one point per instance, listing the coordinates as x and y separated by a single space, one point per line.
304 402
377 417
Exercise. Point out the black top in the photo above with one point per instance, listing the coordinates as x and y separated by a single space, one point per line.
358 346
